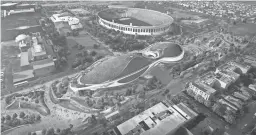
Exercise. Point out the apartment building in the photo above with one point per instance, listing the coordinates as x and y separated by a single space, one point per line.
216 80
200 88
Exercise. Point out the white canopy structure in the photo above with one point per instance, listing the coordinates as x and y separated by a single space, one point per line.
20 37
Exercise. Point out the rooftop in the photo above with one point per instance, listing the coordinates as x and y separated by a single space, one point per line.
230 74
43 63
223 78
250 58
159 119
209 78
24 59
239 65
206 88
8 4
23 75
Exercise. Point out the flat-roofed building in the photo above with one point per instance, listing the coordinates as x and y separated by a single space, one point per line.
240 96
223 81
228 73
43 67
37 57
238 103
200 88
157 120
22 76
243 68
24 59
250 60
66 17
216 80
222 101
252 87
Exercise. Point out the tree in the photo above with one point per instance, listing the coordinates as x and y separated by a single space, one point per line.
8 117
93 53
230 119
22 114
199 98
216 107
2 119
191 93
36 101
208 103
50 131
38 117
71 126
14 116
44 131
32 118
95 46
34 133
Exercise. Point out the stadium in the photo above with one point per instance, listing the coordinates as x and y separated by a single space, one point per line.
119 70
135 21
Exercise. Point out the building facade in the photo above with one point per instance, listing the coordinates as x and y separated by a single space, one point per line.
139 30
199 88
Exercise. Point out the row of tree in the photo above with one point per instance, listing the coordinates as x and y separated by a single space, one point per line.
14 120
51 131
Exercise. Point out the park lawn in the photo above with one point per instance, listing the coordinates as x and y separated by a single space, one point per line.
87 42
244 29
106 70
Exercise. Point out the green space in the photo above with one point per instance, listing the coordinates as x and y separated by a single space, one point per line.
67 104
31 100
134 76
244 29
18 20
106 70
135 64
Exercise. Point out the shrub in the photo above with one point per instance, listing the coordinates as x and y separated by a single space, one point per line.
36 101
22 114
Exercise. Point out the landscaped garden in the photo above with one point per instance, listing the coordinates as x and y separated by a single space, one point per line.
33 100
9 122
106 70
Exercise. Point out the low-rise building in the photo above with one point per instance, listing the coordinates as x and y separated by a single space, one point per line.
252 87
222 101
250 60
225 71
157 120
34 58
66 17
242 68
200 88
240 96
216 80
238 103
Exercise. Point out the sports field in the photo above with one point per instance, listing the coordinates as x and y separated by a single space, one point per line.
13 21
134 21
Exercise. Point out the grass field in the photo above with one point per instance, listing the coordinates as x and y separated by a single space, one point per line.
18 20
244 29
87 42
134 76
134 65
106 70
